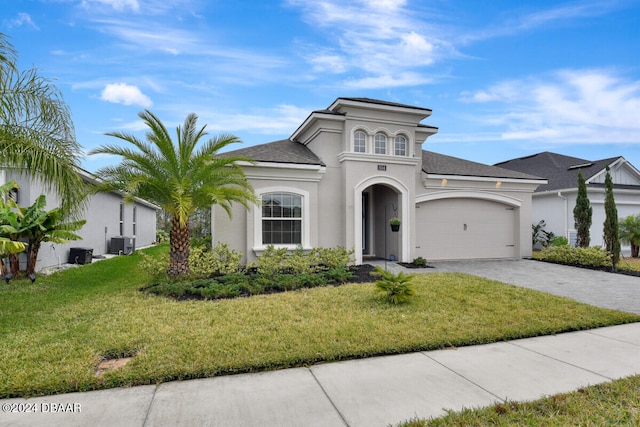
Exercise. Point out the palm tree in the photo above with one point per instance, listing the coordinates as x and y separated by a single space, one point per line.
36 130
179 178
40 226
629 229
8 247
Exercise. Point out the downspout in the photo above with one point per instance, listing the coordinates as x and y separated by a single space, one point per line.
566 214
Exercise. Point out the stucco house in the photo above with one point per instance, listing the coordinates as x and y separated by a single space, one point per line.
554 202
350 168
111 222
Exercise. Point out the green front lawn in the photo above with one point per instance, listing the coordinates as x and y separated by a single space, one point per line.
55 332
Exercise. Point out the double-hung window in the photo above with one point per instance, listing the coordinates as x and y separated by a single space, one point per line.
360 142
380 144
281 219
400 146
121 219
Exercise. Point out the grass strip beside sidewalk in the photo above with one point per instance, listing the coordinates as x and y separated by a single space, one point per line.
613 403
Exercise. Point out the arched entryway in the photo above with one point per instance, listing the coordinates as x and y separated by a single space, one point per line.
376 201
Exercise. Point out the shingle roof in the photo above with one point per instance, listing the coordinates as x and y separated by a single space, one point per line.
381 102
440 164
283 151
560 171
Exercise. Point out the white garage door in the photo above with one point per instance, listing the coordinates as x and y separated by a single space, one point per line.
465 229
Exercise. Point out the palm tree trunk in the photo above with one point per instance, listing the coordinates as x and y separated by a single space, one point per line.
179 252
14 265
634 250
3 267
32 257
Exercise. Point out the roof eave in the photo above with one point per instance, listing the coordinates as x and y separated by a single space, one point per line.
487 178
312 118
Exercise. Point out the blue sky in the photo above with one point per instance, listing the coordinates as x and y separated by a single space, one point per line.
504 78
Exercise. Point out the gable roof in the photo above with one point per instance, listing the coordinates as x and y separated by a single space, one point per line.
440 164
561 171
283 151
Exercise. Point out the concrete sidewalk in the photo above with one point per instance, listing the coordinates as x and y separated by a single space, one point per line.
366 392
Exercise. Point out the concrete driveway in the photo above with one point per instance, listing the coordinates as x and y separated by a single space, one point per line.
602 289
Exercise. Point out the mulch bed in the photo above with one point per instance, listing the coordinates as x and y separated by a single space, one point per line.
412 265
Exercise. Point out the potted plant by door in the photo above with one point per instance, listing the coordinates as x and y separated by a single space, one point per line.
394 223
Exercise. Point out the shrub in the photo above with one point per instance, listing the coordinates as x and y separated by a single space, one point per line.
271 262
338 274
420 262
559 241
200 242
161 236
591 257
299 262
331 258
219 260
278 261
155 266
397 287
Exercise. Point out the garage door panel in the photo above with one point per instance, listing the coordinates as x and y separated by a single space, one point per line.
466 228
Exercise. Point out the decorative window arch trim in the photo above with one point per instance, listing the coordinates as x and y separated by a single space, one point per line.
258 246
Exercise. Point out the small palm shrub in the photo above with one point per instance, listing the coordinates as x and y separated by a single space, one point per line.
397 287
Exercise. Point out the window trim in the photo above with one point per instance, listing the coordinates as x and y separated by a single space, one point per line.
258 246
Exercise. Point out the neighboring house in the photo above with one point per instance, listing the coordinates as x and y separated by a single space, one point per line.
554 202
107 216
347 170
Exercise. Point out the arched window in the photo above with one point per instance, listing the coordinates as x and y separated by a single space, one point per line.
281 219
360 142
400 144
380 144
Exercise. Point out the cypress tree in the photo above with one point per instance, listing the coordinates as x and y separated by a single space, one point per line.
582 214
611 237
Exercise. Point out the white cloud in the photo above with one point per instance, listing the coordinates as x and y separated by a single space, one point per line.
23 19
388 80
122 93
381 38
520 20
282 119
119 5
568 106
